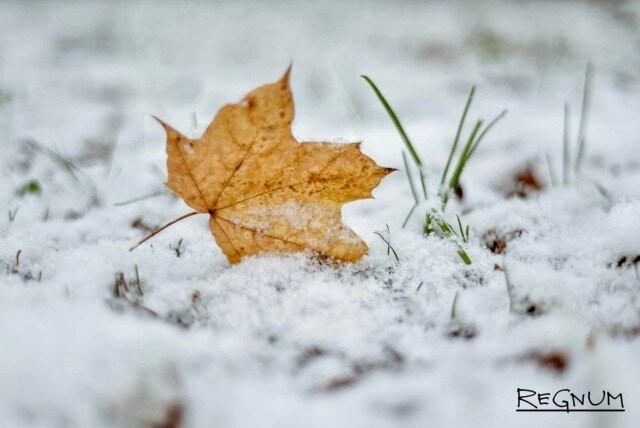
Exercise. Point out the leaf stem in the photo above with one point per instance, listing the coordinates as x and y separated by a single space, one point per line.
160 229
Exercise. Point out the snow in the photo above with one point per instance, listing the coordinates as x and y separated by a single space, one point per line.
289 341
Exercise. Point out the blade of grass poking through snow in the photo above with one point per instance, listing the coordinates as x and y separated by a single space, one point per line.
465 236
63 163
413 189
457 137
12 215
566 150
454 305
584 113
395 120
450 233
406 219
401 131
485 131
553 178
464 157
389 247
409 177
427 224
463 255
56 158
603 191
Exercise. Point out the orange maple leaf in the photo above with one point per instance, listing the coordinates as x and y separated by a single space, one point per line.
264 190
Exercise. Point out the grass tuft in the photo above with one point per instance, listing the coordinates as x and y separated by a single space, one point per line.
472 142
573 166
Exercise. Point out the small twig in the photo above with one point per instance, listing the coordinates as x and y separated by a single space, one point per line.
122 281
18 258
509 285
141 307
419 286
161 228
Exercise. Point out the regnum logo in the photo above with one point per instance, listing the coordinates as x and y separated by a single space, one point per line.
565 400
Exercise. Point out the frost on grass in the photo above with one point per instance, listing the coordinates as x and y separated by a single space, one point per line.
293 340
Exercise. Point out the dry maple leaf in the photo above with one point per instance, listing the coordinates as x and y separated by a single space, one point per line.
264 190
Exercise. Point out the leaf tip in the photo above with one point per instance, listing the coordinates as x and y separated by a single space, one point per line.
171 132
287 74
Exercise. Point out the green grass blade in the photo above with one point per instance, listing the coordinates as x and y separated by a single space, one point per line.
389 247
464 256
586 104
458 132
566 150
427 230
451 234
57 158
422 182
406 220
485 131
509 284
552 174
461 228
407 170
603 191
396 122
454 305
464 157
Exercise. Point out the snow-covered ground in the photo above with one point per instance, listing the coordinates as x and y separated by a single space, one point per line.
288 341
